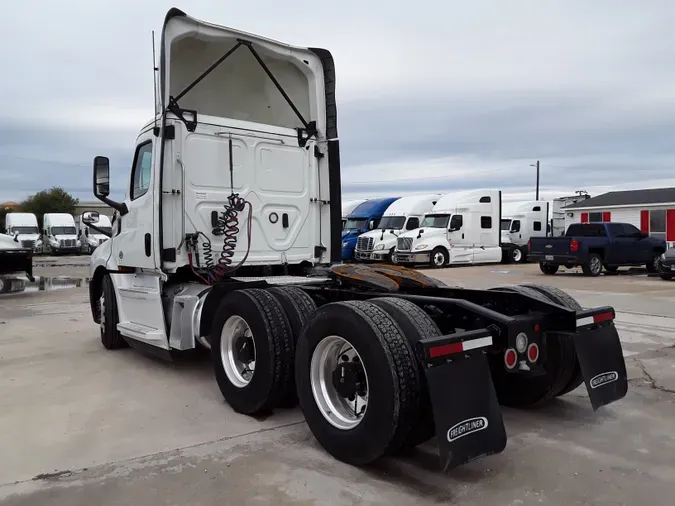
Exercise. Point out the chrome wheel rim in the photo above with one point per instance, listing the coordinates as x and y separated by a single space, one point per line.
517 255
237 351
334 358
596 265
439 259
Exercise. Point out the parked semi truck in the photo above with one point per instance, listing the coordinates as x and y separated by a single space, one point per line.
59 234
202 255
404 214
24 226
91 238
348 207
366 216
520 222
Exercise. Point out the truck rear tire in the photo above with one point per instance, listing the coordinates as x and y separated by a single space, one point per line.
299 308
251 328
416 325
519 390
110 336
562 298
593 266
350 352
548 269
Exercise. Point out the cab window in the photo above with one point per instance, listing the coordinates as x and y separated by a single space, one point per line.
140 176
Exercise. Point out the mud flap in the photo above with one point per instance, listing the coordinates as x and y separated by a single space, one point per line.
468 419
602 364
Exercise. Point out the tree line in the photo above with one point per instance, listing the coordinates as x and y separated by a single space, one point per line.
53 200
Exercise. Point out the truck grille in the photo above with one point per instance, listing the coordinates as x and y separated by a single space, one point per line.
67 243
364 243
28 244
404 243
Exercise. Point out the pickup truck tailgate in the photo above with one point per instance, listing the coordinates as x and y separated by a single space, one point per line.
550 246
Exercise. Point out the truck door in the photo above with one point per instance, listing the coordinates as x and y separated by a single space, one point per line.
638 249
135 244
621 245
460 249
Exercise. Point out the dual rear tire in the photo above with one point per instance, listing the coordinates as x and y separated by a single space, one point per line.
351 366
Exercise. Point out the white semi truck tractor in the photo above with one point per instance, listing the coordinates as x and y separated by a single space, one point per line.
229 239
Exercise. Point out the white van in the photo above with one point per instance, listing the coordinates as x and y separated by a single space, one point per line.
348 207
59 234
520 221
462 228
404 214
26 226
90 238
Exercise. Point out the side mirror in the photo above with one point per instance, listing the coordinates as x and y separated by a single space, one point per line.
101 176
102 184
90 217
16 236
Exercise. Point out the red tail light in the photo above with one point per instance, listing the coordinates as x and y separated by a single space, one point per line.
574 246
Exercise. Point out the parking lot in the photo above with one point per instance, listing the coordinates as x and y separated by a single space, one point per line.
80 425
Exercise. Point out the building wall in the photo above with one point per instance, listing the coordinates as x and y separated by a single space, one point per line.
660 225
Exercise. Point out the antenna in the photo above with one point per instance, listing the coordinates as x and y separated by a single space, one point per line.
154 76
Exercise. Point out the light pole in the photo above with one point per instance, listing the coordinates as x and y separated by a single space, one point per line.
537 166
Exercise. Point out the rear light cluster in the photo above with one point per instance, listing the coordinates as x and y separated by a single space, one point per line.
574 245
531 351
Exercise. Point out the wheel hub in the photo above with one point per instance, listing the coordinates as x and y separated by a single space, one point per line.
244 350
349 379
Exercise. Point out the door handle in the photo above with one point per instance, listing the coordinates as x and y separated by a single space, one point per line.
148 244
462 235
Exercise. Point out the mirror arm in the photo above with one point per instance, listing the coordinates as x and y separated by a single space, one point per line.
121 207
100 231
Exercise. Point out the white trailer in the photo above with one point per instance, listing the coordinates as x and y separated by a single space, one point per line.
91 238
25 226
521 221
229 238
558 218
462 228
404 214
59 234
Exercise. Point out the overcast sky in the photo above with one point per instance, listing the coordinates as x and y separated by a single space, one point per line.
433 95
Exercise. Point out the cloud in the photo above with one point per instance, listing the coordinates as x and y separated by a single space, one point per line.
444 96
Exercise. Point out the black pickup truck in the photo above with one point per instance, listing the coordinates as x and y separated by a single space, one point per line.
594 245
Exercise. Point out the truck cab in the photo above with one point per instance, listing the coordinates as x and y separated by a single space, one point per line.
348 207
238 172
404 214
92 238
59 234
462 228
363 218
520 221
25 226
